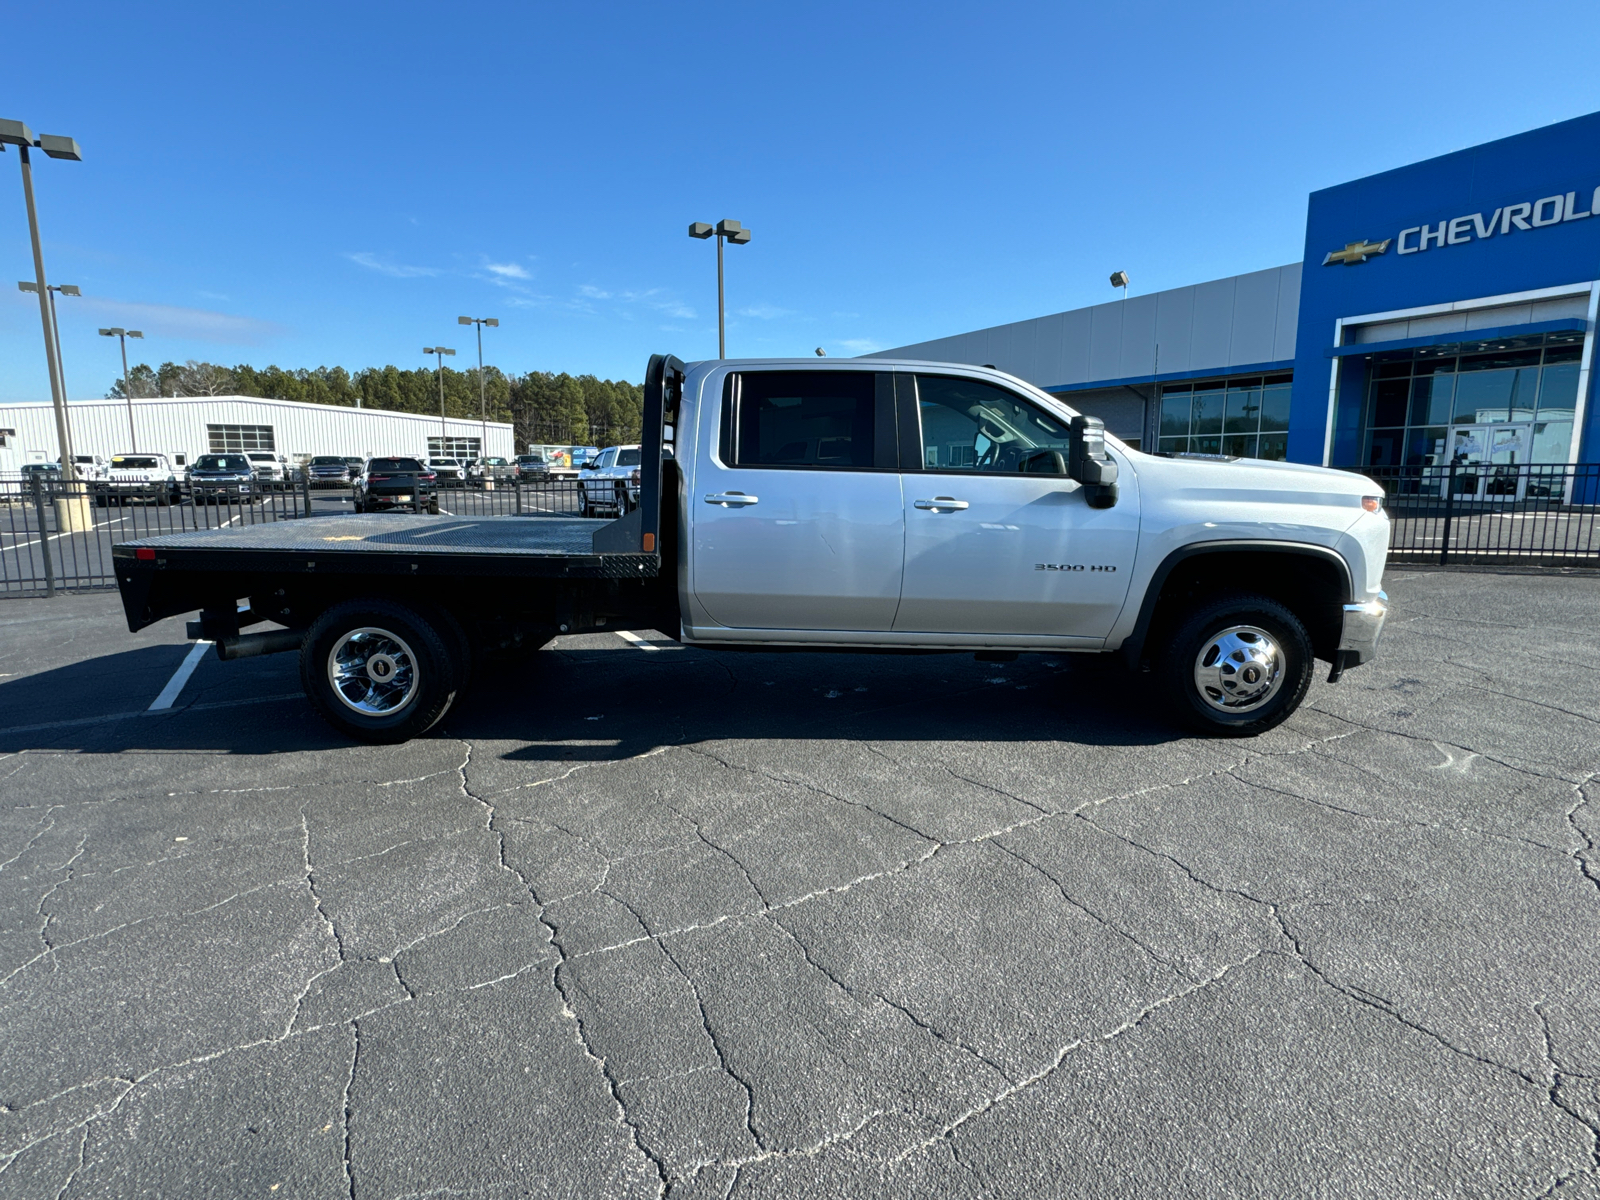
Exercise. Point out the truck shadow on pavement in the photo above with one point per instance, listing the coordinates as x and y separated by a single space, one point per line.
599 704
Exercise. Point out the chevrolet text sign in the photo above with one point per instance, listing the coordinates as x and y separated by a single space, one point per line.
1534 214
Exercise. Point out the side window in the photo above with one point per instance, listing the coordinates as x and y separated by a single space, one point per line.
627 458
968 425
817 419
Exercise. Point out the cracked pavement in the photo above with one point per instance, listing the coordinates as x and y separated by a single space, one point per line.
672 923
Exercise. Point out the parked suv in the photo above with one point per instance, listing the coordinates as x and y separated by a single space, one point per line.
531 468
139 477
396 483
214 478
610 483
326 470
449 471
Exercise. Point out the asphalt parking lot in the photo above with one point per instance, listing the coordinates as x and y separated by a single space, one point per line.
654 920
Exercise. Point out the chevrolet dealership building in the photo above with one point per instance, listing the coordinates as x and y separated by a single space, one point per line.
1443 313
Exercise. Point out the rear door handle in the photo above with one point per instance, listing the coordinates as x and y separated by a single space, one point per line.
732 499
940 503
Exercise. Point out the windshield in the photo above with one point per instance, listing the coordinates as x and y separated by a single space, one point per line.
133 464
531 458
325 460
261 458
443 462
222 462
393 464
495 462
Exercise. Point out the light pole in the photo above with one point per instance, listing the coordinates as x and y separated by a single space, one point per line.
444 440
65 289
15 133
737 234
127 386
483 402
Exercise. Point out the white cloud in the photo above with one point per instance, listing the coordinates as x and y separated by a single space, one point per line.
590 292
166 320
860 345
653 298
507 270
765 312
396 270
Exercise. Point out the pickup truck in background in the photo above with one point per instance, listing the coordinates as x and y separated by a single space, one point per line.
820 505
610 483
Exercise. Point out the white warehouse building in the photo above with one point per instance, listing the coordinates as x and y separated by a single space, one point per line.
185 427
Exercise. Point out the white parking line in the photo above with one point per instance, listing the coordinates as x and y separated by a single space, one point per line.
169 694
636 640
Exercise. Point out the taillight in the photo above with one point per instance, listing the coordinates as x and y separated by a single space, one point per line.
635 477
429 478
377 478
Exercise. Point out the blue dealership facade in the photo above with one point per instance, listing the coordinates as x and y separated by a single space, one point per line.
1444 313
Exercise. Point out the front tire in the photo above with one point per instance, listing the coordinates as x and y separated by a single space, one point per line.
1238 667
378 671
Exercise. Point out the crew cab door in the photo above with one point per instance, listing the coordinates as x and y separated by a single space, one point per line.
998 538
796 509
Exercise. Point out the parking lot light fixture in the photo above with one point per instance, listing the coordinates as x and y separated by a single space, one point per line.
483 402
123 335
15 133
441 351
730 231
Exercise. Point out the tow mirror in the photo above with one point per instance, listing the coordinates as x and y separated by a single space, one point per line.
1090 464
1044 462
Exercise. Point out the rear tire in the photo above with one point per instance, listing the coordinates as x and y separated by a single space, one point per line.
378 671
1238 667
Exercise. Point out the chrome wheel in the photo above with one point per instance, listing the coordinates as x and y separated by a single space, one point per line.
1239 668
373 671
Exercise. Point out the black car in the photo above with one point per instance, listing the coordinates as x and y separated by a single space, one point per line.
328 471
396 483
217 477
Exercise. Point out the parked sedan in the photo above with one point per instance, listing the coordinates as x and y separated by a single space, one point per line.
326 470
396 483
215 478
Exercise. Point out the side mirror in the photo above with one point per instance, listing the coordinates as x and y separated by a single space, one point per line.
1090 464
1044 462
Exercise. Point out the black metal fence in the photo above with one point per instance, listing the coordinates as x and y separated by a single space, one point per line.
1493 515
57 536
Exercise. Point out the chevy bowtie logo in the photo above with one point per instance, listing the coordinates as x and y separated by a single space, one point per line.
1356 252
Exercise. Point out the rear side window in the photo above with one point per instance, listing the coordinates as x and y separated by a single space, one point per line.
627 458
817 419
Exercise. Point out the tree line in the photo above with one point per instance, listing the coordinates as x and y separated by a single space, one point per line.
542 406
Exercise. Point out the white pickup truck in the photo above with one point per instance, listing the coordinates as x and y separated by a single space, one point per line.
823 505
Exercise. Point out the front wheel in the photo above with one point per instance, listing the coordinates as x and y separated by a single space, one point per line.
378 671
1238 667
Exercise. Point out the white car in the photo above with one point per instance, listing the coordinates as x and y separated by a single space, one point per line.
269 467
449 471
139 477
91 468
610 483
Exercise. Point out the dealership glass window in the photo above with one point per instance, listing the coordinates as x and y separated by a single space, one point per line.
223 438
454 447
1243 418
1414 397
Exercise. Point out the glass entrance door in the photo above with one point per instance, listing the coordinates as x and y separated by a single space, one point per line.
1490 461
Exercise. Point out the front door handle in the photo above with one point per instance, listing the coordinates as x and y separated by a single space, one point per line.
732 499
941 504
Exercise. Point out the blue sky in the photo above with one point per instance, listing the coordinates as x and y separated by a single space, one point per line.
334 184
